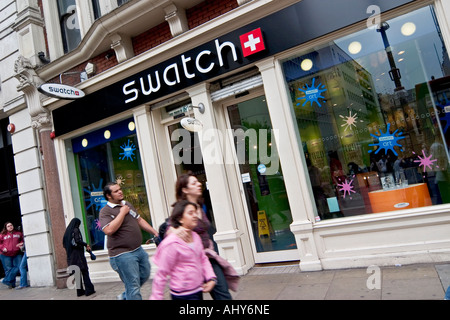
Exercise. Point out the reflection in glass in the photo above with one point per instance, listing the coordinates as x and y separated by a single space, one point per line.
107 157
263 182
372 117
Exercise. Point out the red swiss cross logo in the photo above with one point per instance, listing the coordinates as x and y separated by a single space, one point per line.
252 42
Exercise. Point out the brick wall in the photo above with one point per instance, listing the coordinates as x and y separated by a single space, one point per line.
208 10
151 38
101 63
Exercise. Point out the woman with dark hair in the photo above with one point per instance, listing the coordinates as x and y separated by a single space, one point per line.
74 245
11 242
189 188
183 259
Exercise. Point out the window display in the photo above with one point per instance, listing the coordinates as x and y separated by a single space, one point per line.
101 156
372 109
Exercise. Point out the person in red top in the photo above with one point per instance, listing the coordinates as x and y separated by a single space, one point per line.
11 243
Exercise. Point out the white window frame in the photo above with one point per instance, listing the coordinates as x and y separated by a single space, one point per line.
85 15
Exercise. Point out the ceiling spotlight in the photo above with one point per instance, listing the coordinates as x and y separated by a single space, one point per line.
306 65
354 47
408 29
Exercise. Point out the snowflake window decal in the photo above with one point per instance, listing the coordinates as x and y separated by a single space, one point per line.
128 151
347 187
97 224
446 115
312 93
425 161
120 180
349 120
387 141
95 196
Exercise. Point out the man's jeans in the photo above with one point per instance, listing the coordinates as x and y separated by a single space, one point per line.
134 270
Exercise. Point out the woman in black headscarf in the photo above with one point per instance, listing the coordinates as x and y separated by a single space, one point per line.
74 245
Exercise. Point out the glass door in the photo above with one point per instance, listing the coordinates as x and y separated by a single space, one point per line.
188 158
269 214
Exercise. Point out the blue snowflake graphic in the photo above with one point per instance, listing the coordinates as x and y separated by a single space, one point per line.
446 116
128 151
96 197
312 93
387 141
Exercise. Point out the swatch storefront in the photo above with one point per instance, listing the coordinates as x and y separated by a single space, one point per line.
326 144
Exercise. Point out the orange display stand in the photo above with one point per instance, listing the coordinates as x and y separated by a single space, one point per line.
412 196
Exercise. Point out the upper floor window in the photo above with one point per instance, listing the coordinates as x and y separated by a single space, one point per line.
70 27
96 9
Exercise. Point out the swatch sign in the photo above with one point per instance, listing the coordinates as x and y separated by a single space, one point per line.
263 38
61 91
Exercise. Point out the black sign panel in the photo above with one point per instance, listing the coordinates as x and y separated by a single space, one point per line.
282 30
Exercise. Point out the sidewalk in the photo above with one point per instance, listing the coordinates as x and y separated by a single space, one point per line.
411 282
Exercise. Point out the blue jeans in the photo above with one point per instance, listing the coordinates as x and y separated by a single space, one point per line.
134 270
447 294
23 271
11 266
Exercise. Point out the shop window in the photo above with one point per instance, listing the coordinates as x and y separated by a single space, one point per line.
107 154
70 27
372 111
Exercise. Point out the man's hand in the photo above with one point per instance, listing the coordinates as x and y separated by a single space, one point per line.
124 210
114 225
182 233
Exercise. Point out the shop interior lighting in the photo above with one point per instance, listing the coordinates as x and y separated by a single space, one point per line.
408 29
306 64
355 47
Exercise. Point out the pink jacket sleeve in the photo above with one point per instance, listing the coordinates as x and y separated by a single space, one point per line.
165 259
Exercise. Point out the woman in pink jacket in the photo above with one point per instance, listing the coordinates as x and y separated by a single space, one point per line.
184 261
